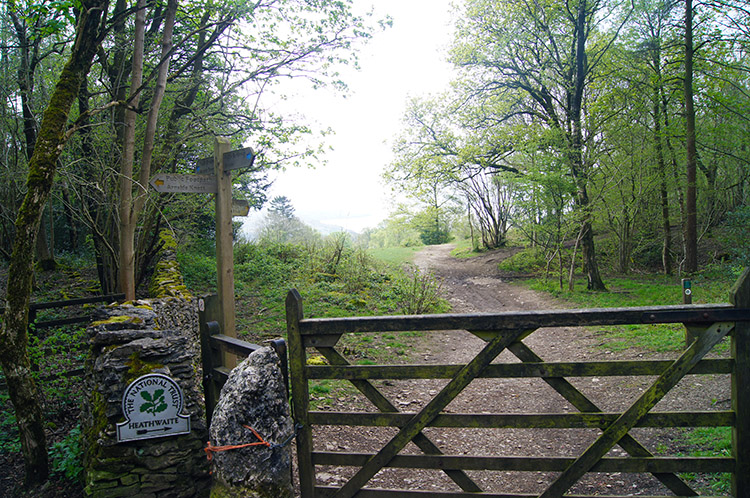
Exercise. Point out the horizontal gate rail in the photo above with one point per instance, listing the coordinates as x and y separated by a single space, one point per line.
532 464
526 420
495 322
708 324
513 370
70 320
329 491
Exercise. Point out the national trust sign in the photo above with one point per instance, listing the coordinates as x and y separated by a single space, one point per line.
152 405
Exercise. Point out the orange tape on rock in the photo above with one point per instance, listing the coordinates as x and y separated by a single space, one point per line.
211 449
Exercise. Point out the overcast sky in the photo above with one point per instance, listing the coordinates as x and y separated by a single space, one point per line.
404 61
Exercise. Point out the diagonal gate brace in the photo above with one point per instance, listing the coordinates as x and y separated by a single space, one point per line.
620 427
384 405
582 403
585 405
420 420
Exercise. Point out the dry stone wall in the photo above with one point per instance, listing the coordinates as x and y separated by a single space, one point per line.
126 343
158 336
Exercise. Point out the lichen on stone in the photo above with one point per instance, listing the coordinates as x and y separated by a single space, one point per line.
118 319
167 279
137 367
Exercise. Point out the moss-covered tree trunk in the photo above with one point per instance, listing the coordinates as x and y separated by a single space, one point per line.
53 134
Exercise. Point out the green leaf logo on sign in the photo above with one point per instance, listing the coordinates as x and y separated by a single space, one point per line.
152 406
154 402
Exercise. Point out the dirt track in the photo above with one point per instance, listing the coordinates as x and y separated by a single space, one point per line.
477 286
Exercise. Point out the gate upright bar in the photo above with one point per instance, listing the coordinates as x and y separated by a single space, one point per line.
740 350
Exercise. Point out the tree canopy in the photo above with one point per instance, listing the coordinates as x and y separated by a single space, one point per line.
571 120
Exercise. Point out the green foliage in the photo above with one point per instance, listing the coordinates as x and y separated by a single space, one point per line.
335 277
433 225
642 291
529 260
66 456
9 441
266 263
434 236
465 248
394 255
398 230
711 442
320 387
198 266
282 207
659 338
53 353
281 226
737 239
416 293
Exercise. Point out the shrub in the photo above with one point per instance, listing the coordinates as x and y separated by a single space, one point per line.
417 293
529 260
66 455
198 269
434 236
737 239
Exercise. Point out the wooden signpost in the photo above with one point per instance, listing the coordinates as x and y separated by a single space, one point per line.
224 252
215 177
232 160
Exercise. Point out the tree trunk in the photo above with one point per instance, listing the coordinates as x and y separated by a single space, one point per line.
675 167
29 58
70 219
590 265
625 244
131 205
691 226
666 254
127 225
42 165
571 273
44 256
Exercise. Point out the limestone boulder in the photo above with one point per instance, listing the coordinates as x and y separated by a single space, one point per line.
254 396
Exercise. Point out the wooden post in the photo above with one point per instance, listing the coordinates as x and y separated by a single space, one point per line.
687 291
691 332
300 393
208 313
740 298
224 250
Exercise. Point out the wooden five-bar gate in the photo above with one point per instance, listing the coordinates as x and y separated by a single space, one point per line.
709 324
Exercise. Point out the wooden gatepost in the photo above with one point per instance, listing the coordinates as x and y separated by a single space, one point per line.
506 331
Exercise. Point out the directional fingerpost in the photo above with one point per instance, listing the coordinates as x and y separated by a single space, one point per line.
235 159
238 159
240 207
205 166
176 183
